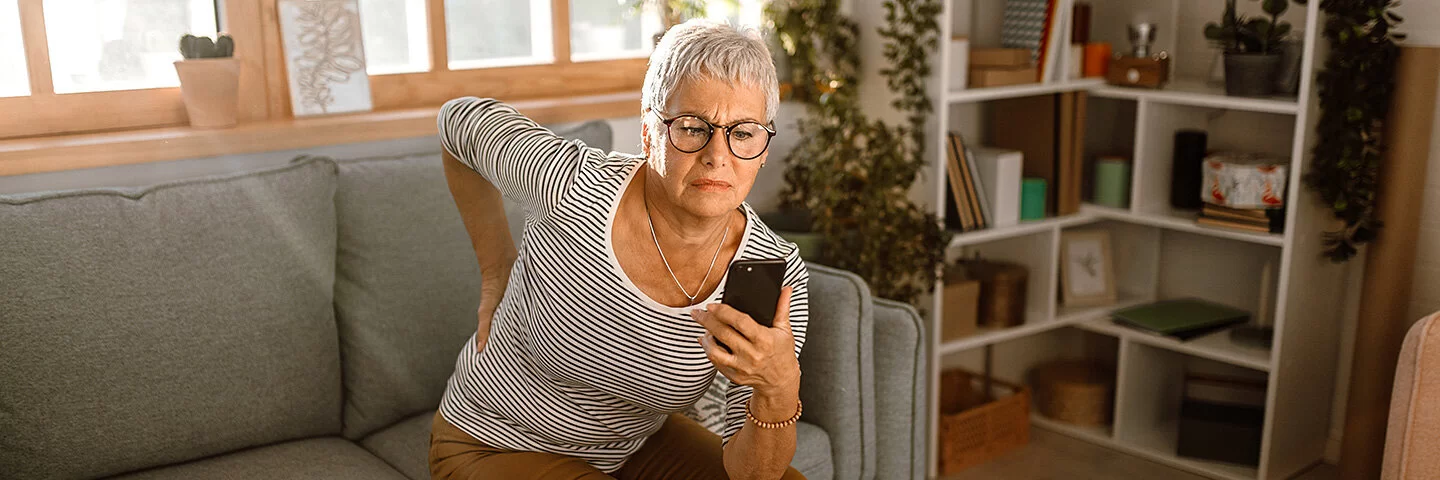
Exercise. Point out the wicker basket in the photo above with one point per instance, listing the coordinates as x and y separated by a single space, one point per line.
974 429
1077 392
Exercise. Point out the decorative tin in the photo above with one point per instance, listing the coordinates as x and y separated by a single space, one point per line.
1242 180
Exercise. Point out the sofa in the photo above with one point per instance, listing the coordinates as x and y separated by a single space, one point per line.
1412 438
300 320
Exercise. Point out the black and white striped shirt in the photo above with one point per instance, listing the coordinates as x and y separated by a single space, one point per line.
579 361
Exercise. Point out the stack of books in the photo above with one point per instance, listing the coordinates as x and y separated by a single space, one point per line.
984 186
1270 220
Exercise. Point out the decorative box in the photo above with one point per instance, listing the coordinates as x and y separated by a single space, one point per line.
981 77
1241 180
1002 291
1222 419
962 305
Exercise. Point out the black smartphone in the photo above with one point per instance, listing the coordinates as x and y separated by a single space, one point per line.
753 288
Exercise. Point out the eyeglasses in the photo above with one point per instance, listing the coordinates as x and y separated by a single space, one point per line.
690 134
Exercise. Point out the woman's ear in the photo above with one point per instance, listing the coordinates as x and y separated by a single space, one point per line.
644 137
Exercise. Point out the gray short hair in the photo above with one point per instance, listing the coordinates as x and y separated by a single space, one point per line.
704 47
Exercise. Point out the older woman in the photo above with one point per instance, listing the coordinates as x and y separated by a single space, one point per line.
604 325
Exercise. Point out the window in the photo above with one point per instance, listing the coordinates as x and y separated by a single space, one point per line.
88 65
103 45
609 29
14 82
497 33
396 36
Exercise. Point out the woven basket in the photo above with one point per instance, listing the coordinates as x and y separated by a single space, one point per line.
974 430
1077 392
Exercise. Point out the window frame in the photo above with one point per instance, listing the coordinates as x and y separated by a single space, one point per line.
264 87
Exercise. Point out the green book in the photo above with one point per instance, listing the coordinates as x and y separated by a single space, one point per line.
1183 318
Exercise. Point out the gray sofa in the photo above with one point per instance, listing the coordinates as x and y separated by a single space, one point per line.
300 320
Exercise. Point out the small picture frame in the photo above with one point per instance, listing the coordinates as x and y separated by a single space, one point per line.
1087 272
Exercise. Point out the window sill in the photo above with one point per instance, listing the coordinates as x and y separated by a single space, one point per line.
67 152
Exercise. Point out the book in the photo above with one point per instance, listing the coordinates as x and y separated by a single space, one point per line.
1183 319
1000 175
1023 25
1028 124
1216 222
1052 43
1255 220
1210 209
978 189
957 186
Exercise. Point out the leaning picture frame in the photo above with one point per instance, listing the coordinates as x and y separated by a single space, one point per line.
1087 268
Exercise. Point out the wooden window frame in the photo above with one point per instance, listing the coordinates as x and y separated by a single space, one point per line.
264 86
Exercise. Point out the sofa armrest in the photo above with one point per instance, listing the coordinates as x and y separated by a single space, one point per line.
837 382
1413 436
900 372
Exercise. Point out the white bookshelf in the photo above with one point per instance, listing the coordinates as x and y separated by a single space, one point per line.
1159 253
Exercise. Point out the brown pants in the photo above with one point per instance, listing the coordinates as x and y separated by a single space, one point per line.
681 450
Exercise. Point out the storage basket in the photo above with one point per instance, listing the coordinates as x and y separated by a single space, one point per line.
1002 291
974 429
1077 392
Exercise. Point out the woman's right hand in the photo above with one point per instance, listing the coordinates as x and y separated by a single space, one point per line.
492 291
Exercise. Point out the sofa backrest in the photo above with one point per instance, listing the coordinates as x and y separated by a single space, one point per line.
148 326
407 282
407 288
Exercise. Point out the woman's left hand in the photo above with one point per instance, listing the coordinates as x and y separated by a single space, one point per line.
759 357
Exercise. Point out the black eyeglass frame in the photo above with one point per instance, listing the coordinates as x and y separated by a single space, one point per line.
710 134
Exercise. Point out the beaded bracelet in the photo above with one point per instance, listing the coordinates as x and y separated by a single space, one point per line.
799 407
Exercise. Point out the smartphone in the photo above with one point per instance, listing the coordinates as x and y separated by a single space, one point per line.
753 288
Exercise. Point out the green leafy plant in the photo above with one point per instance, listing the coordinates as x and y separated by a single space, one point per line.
672 12
1237 34
851 173
192 47
1355 90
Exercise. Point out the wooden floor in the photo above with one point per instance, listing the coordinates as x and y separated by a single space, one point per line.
1053 456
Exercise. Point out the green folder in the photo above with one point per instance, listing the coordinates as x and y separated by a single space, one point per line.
1183 318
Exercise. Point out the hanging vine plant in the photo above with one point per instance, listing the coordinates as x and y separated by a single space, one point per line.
853 174
1355 89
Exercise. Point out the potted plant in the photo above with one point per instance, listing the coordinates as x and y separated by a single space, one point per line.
209 80
1252 47
848 179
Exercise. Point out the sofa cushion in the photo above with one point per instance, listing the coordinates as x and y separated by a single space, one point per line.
312 459
406 447
1413 437
838 384
149 326
900 416
407 288
812 452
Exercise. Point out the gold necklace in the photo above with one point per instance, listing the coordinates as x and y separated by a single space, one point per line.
701 288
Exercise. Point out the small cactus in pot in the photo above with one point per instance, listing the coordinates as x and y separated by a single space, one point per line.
193 47
209 80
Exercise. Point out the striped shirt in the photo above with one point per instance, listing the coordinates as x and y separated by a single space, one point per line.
579 361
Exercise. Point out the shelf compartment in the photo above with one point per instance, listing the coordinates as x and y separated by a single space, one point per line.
1148 397
1214 346
1016 91
1197 93
1181 221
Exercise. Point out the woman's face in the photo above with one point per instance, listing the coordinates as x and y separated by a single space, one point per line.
712 181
